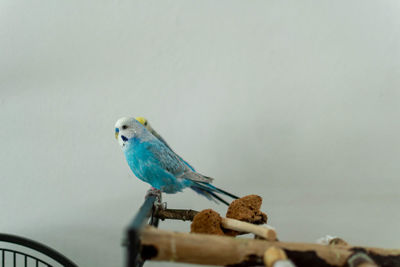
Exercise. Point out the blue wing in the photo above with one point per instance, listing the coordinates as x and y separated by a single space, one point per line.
154 163
174 164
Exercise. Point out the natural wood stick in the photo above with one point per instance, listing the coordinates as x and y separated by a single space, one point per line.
272 255
265 232
176 214
163 245
331 240
276 257
367 264
361 260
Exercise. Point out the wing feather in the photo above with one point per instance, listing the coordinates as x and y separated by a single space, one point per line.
174 164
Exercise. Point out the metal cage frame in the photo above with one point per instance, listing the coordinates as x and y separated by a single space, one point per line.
34 245
147 211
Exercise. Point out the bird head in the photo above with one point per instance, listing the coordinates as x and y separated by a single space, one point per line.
146 124
127 128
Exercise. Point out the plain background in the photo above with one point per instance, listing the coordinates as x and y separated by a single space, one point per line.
297 101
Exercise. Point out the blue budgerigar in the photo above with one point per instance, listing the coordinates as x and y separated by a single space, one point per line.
153 161
147 125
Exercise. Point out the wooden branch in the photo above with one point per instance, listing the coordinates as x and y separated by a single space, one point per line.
275 257
265 232
361 260
176 214
162 245
331 240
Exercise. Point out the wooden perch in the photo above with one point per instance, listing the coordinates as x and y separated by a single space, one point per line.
176 214
361 260
162 245
331 240
265 232
275 257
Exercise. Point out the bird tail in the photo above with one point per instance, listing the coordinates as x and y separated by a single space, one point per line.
210 192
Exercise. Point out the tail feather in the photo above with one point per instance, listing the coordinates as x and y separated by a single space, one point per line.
219 198
219 190
209 195
210 192
203 193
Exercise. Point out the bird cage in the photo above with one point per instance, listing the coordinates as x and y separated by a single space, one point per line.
16 251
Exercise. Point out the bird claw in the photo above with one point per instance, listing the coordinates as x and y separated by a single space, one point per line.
153 192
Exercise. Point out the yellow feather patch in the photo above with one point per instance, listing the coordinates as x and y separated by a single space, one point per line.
142 120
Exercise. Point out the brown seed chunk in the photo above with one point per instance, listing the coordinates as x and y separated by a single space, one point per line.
207 222
247 209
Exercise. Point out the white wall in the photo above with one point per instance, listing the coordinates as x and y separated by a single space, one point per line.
297 101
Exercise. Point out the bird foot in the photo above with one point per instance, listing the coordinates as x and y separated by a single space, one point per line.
153 192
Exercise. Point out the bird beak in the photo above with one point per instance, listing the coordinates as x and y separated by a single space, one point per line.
116 133
141 120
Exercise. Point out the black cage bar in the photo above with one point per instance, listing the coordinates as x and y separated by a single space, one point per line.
33 245
146 212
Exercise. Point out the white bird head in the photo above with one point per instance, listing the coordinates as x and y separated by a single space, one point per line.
127 128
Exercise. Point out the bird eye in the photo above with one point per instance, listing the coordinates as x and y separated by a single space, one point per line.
124 127
145 123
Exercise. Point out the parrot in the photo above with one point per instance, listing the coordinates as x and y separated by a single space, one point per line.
153 161
146 124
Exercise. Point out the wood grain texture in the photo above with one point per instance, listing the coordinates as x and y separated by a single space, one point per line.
160 245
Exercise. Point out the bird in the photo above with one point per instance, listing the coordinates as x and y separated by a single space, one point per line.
146 124
153 161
